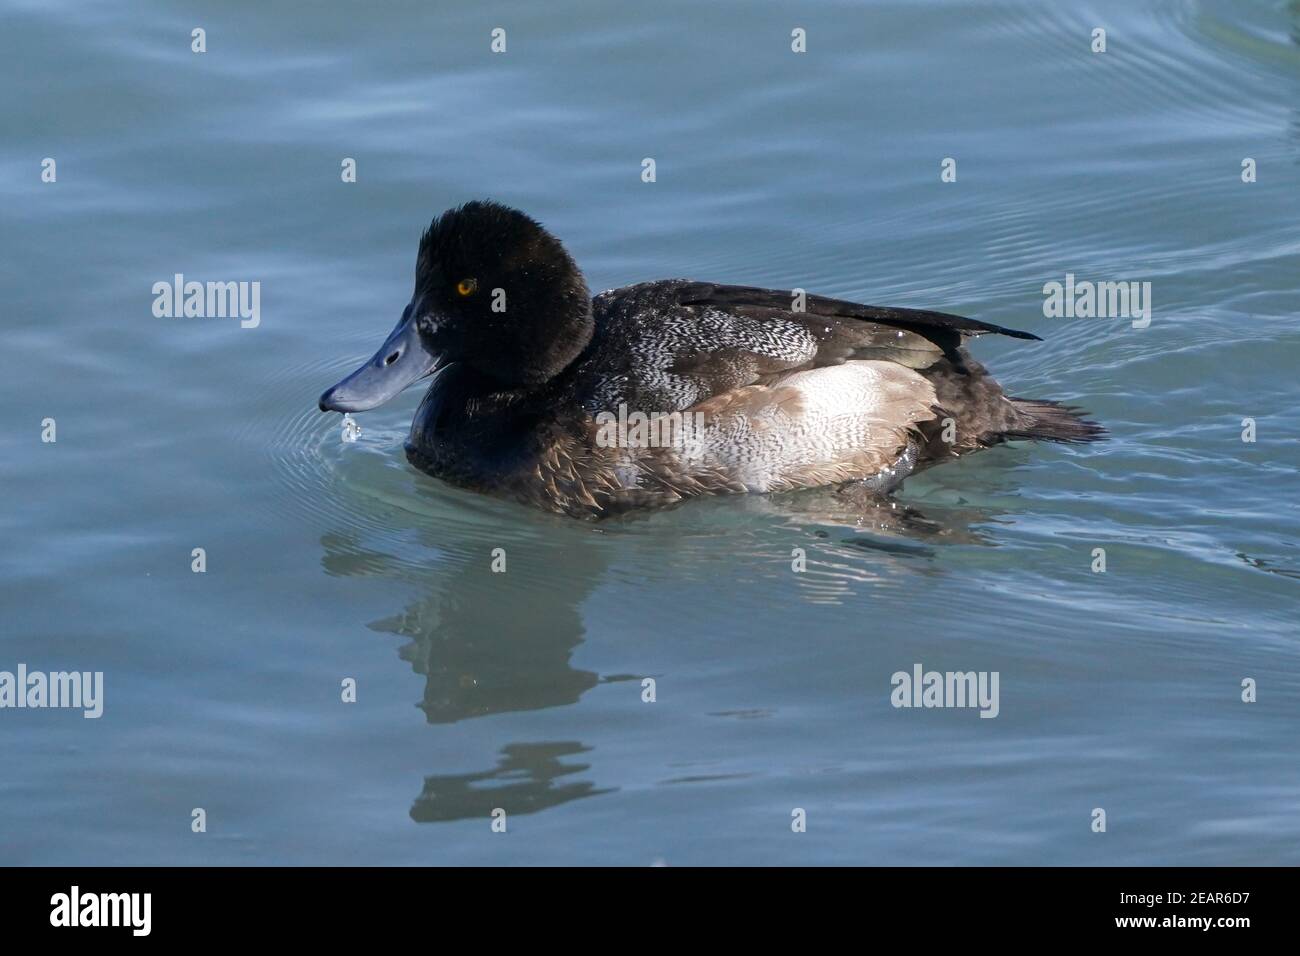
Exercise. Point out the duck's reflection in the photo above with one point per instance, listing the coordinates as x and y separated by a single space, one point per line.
486 646
523 781
888 524
485 642
494 643
490 643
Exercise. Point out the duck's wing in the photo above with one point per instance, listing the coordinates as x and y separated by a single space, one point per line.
666 346
940 328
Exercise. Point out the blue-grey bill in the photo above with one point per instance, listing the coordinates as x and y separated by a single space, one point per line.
400 361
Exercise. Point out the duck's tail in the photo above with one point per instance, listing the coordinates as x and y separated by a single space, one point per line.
1044 420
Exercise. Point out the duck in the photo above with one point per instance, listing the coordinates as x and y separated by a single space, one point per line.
651 394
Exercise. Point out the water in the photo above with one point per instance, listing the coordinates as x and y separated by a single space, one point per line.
329 560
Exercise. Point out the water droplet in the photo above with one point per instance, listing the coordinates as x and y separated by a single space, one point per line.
350 429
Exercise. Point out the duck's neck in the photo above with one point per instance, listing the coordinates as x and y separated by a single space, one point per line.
460 393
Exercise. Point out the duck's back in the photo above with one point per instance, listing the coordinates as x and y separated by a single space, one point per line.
779 390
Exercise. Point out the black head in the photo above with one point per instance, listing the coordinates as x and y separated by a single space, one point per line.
493 290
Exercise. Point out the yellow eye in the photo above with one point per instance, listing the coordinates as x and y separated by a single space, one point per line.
467 286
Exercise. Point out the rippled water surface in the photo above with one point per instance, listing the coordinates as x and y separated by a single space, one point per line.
329 560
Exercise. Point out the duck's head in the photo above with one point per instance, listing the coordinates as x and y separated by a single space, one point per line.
493 290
